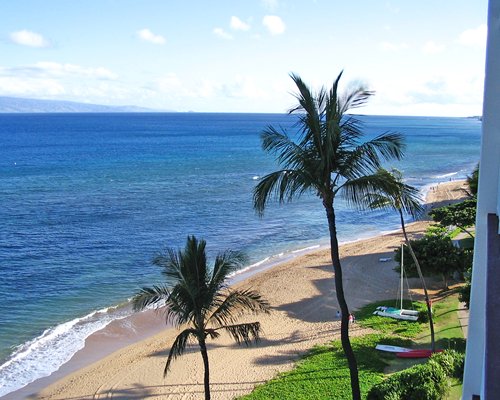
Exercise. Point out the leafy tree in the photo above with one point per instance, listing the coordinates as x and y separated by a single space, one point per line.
462 215
473 180
329 159
198 296
464 294
404 200
437 255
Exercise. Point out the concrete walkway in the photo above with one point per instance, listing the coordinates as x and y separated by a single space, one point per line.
463 317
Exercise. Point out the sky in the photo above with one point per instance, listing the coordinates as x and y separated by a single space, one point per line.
421 57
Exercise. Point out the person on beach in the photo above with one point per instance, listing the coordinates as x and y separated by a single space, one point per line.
338 314
351 318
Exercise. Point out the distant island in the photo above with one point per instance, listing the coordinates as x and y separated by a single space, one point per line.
22 105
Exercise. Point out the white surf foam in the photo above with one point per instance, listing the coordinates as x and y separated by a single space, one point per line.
46 353
449 175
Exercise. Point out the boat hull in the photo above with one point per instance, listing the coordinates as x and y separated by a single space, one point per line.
417 353
401 315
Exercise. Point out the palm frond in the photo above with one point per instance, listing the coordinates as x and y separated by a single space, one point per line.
282 185
178 347
390 145
150 297
287 152
181 306
351 129
354 97
244 333
225 264
235 304
310 107
366 158
376 201
393 194
358 191
170 262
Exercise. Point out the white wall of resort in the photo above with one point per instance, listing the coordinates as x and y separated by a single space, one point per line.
488 203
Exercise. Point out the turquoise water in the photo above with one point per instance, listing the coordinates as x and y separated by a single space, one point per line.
87 200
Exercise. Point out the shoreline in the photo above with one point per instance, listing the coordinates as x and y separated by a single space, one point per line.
148 327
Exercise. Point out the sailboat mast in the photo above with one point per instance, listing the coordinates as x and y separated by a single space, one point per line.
402 272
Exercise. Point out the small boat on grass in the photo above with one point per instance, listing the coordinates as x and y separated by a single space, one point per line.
417 353
391 349
398 313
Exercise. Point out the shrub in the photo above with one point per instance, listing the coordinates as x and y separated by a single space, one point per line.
451 361
437 256
423 316
423 381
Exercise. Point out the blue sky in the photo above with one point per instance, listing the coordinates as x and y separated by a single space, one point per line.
421 58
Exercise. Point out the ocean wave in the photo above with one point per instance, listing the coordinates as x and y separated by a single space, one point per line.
448 175
270 261
46 353
306 249
250 267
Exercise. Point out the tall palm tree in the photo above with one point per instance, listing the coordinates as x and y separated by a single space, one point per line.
404 199
329 159
198 296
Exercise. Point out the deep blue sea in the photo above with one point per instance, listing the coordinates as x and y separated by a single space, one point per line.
86 200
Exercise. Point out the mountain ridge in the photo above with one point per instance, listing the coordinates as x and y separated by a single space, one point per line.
28 105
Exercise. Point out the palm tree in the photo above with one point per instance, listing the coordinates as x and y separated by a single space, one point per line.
198 296
329 159
472 181
404 199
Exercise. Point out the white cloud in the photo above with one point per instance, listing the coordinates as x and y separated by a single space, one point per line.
237 87
274 24
474 37
169 83
148 36
58 69
222 33
242 87
270 5
28 38
238 25
432 47
388 46
22 86
49 69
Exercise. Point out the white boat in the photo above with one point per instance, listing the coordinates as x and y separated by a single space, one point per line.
398 313
391 349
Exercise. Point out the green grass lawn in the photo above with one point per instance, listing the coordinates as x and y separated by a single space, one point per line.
323 372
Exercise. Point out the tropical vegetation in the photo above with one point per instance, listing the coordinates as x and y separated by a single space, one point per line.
437 255
323 374
473 181
404 199
461 215
328 157
197 295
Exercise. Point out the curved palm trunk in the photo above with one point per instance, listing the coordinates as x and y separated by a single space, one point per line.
421 276
204 354
339 287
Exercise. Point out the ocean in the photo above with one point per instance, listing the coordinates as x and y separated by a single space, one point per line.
87 200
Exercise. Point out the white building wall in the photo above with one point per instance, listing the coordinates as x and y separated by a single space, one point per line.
488 202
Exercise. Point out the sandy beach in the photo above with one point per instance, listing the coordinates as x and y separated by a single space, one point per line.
302 295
